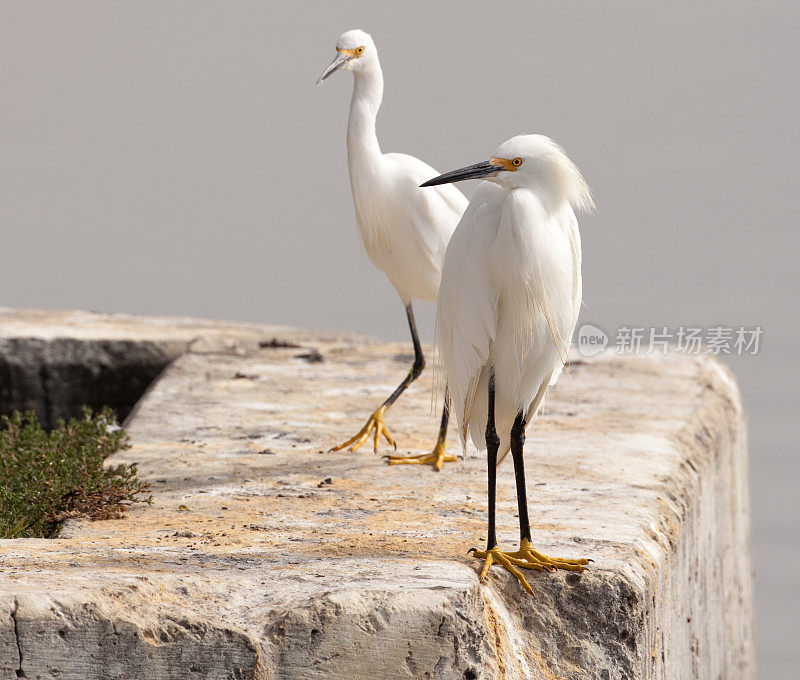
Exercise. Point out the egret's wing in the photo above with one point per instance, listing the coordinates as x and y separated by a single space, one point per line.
533 262
466 313
440 207
421 172
570 225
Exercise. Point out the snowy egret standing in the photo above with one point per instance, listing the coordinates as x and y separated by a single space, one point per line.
405 230
508 305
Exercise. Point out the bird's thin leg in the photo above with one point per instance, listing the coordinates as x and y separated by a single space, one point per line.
419 359
442 438
525 557
517 444
438 456
375 426
493 554
492 446
526 552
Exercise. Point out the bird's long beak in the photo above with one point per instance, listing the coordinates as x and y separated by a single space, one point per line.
339 60
478 171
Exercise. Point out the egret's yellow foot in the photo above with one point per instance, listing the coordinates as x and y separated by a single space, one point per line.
437 458
525 558
374 428
556 562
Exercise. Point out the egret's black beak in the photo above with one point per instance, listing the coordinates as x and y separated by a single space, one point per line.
477 171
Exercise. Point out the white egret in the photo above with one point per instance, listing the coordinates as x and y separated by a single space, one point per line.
508 305
405 230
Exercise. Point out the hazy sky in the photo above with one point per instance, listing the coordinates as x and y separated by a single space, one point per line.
175 158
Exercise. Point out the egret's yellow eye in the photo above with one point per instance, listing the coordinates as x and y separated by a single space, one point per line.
516 162
359 50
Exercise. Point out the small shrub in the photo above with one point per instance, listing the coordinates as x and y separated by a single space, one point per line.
46 477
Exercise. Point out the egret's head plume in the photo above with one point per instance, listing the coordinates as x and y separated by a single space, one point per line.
537 162
533 162
355 50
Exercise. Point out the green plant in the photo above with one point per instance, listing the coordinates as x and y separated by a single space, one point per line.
46 477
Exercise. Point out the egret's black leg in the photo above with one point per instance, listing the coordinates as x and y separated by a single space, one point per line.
517 443
419 360
527 555
375 426
438 456
493 554
445 419
492 446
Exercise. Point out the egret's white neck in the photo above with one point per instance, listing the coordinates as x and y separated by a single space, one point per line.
362 140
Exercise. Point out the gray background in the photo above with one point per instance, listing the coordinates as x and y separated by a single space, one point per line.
176 158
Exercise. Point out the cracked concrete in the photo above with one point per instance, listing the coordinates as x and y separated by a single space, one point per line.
262 556
19 672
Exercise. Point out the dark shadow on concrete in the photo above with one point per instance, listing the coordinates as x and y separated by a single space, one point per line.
56 377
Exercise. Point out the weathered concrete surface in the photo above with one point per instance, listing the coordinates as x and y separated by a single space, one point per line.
55 362
264 557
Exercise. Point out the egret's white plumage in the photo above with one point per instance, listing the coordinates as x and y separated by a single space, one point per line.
405 230
508 304
511 287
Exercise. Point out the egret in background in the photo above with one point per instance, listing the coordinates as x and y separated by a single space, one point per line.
508 305
405 230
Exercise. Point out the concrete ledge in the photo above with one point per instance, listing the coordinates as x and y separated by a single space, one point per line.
288 562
